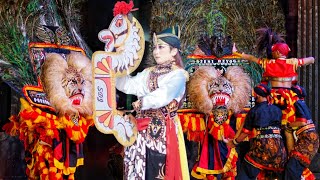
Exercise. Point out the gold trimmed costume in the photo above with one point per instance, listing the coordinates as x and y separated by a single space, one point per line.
53 144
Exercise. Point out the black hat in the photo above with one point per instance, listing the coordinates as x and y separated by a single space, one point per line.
299 90
170 36
262 90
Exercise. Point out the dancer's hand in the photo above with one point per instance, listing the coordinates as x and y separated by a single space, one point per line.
234 49
136 105
230 144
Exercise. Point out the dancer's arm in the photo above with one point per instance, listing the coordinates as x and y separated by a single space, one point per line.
244 56
308 60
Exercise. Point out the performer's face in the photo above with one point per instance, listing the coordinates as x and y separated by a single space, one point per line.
163 53
258 98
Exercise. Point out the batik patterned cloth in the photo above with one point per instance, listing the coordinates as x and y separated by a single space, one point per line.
146 158
307 143
267 153
306 147
267 150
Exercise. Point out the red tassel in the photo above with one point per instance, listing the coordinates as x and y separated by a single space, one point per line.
8 127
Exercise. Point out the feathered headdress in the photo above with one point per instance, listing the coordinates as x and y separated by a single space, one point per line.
24 22
267 38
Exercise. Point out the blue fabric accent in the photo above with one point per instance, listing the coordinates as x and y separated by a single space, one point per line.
262 90
211 152
294 169
172 41
299 90
263 115
302 110
57 50
223 151
247 172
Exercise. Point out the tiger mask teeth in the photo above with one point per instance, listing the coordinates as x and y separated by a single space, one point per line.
220 99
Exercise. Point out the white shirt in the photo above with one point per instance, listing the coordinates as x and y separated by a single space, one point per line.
171 86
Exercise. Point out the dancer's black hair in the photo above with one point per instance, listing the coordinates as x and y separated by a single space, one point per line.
266 38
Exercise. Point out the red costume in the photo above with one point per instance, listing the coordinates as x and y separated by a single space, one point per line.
280 69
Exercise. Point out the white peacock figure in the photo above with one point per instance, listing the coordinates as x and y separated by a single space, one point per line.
124 48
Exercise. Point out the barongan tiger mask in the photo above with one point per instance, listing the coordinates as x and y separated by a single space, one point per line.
67 83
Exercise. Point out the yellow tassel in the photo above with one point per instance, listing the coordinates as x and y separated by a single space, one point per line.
42 164
53 169
58 176
50 133
71 177
45 171
48 155
202 125
24 105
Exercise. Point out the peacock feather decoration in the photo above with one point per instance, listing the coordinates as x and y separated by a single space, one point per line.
15 65
22 22
185 13
245 21
215 41
202 22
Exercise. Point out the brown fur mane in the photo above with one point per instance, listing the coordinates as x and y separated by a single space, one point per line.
54 70
241 83
198 88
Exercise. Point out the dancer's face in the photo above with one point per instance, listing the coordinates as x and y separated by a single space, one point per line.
163 53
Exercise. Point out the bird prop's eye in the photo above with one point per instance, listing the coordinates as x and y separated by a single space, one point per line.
119 22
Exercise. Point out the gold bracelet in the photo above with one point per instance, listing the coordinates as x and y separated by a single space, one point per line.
235 142
238 54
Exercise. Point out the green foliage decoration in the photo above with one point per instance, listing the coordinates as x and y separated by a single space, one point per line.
216 21
15 67
244 18
188 14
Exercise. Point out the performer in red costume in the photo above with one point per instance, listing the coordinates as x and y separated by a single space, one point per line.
280 72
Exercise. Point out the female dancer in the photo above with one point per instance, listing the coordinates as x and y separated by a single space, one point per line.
159 150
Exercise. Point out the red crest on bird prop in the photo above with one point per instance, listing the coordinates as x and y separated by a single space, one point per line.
122 7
